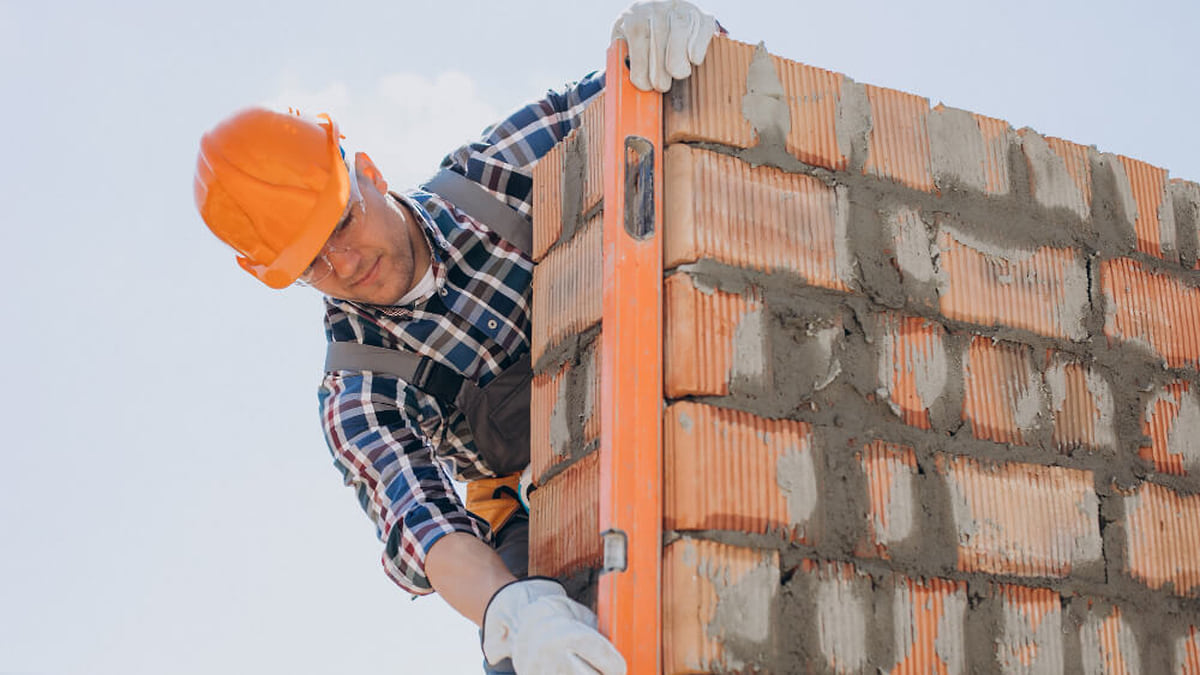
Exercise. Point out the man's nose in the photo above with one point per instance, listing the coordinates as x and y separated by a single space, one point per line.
344 261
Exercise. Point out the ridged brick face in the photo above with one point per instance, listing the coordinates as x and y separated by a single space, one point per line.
1172 422
713 593
928 619
891 473
565 297
898 144
708 106
564 412
913 367
1162 537
576 161
1002 393
997 139
547 198
1108 643
710 337
730 470
1031 638
1151 310
1187 653
1043 291
564 525
1155 218
843 604
1022 519
1081 403
720 208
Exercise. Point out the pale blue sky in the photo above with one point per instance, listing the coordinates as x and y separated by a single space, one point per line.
167 504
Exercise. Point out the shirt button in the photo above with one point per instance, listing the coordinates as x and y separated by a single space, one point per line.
443 291
492 324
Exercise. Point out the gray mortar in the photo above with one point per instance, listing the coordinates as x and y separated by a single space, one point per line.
574 403
854 123
766 108
1185 198
1052 181
574 170
958 153
1168 237
744 618
1113 208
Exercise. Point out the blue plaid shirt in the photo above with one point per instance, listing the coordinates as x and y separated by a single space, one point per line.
395 445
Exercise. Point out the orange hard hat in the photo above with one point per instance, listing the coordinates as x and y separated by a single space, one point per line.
273 186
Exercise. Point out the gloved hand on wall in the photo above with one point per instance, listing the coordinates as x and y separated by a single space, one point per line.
666 38
534 623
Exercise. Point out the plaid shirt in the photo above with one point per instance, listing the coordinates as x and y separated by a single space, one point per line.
393 443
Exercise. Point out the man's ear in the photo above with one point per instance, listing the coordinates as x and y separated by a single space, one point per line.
366 167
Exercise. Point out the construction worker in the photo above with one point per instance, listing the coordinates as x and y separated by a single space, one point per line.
427 315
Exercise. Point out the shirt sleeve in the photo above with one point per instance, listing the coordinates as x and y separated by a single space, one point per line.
502 160
372 425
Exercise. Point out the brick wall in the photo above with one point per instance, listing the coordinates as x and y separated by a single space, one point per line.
931 396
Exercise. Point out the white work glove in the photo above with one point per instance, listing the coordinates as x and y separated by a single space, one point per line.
525 486
666 38
544 632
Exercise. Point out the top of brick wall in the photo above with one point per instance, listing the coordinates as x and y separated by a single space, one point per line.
792 115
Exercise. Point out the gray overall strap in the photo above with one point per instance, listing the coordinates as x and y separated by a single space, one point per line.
429 376
481 205
419 371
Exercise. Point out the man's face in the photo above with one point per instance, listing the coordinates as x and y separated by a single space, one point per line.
379 252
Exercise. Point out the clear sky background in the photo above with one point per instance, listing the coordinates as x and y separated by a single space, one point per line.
167 503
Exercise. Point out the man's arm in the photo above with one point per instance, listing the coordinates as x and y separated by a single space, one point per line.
466 572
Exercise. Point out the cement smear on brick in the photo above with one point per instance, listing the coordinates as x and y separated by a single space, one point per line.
1185 198
765 107
743 621
1184 437
797 479
958 153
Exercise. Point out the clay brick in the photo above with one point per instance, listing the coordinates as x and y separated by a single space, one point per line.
998 138
1185 196
708 105
564 412
1172 422
1081 403
913 368
550 170
1044 291
721 208
713 593
1162 537
898 143
969 151
843 602
1031 636
730 470
1022 519
1060 173
564 521
891 473
710 336
1187 653
928 619
914 255
592 125
1155 216
1108 644
566 290
1002 392
547 198
1152 310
